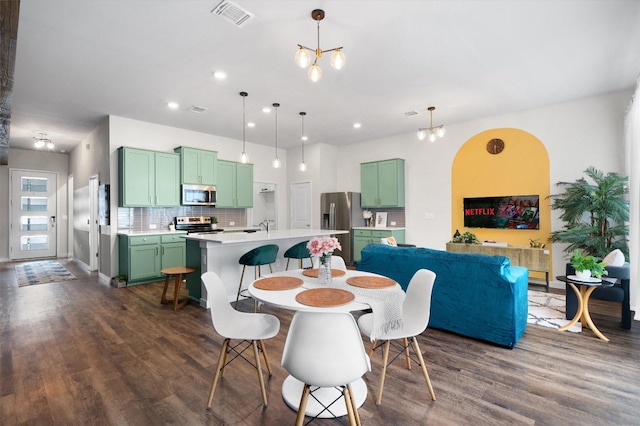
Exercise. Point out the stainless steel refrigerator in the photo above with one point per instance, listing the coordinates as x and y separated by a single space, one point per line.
341 211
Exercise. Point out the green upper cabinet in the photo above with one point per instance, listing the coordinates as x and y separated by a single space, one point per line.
382 183
148 178
199 167
235 185
167 173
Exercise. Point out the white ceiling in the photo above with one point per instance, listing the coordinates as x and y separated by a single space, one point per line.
80 60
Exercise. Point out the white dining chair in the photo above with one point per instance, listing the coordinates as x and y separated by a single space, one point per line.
325 350
415 316
249 328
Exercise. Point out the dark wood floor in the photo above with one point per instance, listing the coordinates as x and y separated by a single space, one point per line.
82 352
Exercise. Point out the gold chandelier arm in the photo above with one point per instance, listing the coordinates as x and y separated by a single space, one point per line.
331 50
305 47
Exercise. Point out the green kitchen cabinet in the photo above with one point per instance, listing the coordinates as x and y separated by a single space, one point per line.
198 166
382 183
142 257
148 178
364 237
235 185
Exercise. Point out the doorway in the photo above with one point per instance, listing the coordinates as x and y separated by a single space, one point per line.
301 205
265 195
32 216
94 228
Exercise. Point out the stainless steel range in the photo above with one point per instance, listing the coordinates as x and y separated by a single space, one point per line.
196 225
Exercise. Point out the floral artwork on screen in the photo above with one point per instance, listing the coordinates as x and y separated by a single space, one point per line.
509 212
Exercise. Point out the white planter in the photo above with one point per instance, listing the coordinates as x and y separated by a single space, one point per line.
583 275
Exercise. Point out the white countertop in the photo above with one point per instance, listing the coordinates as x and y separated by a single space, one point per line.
260 236
369 228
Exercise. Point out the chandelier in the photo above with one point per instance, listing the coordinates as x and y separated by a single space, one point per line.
303 57
438 131
42 140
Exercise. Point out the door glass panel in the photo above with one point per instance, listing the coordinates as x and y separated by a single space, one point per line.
33 223
33 204
33 184
34 242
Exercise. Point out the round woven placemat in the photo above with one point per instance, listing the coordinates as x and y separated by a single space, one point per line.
325 297
314 273
370 282
278 283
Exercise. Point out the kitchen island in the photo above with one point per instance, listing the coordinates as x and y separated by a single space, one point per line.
220 253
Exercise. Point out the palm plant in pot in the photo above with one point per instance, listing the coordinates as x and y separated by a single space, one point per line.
596 214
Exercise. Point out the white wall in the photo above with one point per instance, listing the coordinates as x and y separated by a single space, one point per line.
577 134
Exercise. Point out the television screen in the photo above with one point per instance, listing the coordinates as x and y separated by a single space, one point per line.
508 212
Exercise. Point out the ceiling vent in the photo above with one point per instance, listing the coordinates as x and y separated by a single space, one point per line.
233 13
198 109
411 113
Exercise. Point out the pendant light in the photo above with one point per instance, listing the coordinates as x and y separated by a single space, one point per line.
243 156
438 131
303 166
276 161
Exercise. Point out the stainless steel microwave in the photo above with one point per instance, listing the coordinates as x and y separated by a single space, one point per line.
198 195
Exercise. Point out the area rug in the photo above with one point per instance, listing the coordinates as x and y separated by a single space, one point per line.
42 272
548 310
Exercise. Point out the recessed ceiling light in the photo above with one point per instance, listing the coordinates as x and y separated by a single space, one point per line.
266 110
173 105
357 125
220 75
304 138
251 124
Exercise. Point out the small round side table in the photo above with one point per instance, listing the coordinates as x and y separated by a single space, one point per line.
179 272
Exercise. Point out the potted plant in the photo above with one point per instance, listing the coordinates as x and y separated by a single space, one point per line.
587 266
466 238
214 222
596 214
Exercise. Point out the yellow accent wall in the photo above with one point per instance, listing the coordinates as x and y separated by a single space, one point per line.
522 168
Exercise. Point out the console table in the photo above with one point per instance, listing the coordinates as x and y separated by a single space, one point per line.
534 259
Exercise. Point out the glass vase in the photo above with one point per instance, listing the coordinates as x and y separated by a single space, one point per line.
324 270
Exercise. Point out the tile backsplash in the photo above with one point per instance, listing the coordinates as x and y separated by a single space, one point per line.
394 214
140 218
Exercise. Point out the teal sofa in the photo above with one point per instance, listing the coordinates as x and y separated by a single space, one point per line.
474 295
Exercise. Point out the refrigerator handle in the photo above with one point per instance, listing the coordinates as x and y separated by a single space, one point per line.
332 216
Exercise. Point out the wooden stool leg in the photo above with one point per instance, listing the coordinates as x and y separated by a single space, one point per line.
163 299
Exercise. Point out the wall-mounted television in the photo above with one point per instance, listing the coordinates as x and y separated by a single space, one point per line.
507 212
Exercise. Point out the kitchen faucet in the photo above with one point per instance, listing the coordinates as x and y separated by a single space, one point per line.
267 224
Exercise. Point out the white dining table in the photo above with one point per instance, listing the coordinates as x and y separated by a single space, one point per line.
286 299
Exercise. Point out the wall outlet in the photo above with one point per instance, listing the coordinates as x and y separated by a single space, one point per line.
232 223
393 223
153 226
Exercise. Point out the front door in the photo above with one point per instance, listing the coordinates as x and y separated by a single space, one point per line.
33 214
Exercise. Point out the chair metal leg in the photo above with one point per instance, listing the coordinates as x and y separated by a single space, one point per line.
416 348
259 369
385 359
287 267
302 407
239 287
219 367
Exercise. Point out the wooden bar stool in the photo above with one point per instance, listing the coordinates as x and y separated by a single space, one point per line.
179 272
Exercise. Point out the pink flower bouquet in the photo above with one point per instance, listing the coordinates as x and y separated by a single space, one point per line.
323 246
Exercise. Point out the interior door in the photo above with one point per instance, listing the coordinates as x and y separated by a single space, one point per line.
33 214
301 205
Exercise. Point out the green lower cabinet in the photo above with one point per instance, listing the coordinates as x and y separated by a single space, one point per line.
142 258
364 237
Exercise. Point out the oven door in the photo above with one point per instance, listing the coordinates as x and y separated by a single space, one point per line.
198 195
